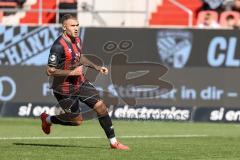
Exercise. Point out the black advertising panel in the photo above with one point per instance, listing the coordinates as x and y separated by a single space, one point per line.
176 48
217 114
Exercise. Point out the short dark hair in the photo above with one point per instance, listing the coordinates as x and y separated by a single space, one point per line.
66 17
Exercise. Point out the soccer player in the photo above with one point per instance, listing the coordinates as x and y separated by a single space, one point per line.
70 85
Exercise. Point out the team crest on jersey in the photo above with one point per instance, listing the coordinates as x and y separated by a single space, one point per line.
52 58
174 47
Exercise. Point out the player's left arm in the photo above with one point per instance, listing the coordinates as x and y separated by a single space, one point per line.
87 63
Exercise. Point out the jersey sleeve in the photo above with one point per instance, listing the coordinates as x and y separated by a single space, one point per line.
54 59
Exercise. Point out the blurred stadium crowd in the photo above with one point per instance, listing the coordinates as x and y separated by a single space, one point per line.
193 13
219 13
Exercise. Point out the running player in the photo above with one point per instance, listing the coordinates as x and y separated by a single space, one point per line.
70 86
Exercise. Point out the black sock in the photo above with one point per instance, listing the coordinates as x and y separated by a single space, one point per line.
56 120
106 123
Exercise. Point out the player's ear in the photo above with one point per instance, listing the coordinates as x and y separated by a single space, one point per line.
64 27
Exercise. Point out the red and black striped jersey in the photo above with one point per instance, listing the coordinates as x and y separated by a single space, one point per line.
65 55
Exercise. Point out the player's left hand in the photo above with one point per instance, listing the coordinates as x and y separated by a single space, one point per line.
104 70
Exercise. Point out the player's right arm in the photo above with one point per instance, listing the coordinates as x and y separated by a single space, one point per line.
54 63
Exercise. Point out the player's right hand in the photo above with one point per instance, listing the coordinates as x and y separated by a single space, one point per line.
104 70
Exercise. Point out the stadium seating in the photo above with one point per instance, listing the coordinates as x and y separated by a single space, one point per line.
47 17
5 4
165 8
8 4
170 14
161 12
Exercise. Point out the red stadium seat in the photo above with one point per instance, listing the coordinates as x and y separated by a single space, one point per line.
47 17
224 15
170 14
8 4
202 15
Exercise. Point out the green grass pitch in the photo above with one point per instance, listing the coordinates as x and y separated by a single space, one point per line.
22 139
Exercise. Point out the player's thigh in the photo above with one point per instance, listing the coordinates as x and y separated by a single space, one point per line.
88 94
68 103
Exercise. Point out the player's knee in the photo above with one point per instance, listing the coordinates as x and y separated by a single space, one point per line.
100 108
99 104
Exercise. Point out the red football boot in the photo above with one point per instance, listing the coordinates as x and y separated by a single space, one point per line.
119 146
46 127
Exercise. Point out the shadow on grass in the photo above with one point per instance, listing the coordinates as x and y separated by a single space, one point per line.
55 145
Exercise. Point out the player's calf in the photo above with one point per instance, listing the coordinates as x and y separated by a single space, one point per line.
68 119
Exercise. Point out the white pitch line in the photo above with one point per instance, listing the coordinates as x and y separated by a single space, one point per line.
83 137
165 136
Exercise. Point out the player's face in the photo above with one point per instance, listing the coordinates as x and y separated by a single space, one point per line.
71 28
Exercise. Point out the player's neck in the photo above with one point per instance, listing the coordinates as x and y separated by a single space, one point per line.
70 39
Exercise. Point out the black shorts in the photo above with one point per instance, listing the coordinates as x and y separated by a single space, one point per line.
87 94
